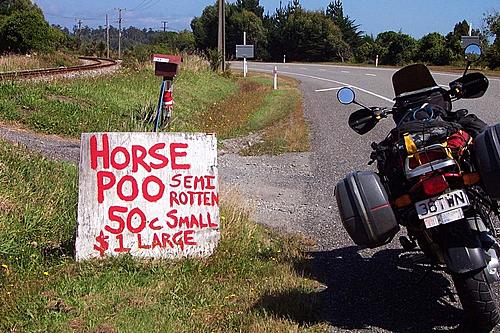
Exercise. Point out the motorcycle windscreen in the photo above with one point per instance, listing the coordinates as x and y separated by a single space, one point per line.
412 78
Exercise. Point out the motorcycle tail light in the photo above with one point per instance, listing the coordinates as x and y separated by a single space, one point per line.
435 185
403 201
471 178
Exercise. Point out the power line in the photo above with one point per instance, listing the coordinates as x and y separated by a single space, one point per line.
141 4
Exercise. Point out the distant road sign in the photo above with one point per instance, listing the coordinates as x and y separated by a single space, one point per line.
244 51
468 40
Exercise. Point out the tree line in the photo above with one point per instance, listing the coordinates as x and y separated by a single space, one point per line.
24 29
331 35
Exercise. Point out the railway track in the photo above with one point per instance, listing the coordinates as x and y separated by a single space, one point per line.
98 63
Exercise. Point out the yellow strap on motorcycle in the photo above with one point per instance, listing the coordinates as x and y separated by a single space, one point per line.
447 150
411 147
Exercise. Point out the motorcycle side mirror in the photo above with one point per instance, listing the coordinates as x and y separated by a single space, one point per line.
362 121
472 85
346 96
473 53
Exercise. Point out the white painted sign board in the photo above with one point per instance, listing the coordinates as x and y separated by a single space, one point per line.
150 195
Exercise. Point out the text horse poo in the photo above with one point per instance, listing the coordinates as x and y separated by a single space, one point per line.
150 195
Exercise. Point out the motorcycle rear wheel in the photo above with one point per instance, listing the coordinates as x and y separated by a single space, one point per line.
476 296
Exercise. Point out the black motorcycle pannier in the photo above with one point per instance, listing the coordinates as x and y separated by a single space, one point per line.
365 210
487 148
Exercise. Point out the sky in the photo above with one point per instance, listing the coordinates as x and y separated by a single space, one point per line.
414 17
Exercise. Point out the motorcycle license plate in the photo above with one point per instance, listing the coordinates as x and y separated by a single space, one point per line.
443 209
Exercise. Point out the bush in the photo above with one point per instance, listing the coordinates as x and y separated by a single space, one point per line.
26 31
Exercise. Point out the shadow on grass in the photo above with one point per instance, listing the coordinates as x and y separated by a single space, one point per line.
367 293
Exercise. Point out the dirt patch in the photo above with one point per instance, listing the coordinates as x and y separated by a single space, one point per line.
6 206
105 328
234 146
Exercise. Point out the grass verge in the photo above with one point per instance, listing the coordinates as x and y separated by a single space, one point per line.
25 62
276 115
117 102
43 289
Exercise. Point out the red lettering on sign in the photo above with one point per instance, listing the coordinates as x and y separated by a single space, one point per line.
104 186
176 181
114 161
138 155
140 245
95 153
194 198
113 217
192 221
174 154
153 151
178 239
152 225
166 240
121 248
188 238
172 215
142 224
145 190
133 184
156 242
209 185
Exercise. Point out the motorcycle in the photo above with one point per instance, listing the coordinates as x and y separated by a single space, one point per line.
439 177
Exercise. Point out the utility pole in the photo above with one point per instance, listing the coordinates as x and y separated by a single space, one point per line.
107 36
164 25
221 47
79 39
120 31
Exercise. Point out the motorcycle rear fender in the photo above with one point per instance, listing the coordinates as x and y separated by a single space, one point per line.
462 260
462 250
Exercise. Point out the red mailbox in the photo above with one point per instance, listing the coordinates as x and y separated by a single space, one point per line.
166 65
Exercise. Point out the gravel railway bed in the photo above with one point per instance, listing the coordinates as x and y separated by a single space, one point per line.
91 65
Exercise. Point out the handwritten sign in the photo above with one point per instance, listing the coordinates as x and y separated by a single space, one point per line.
151 195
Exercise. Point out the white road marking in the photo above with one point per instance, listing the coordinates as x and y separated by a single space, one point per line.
327 89
346 72
304 69
457 75
369 74
341 83
322 70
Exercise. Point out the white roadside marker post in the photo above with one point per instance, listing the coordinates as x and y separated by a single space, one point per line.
245 65
376 61
284 58
275 78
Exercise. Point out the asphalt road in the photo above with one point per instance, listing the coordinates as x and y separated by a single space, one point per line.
369 290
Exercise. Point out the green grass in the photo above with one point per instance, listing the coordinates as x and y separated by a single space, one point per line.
107 103
44 290
280 119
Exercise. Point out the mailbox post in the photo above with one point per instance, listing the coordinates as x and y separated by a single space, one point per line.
167 67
